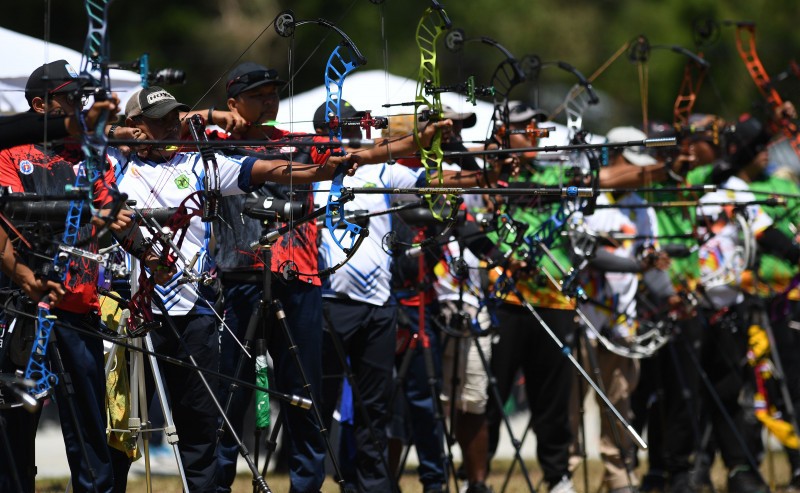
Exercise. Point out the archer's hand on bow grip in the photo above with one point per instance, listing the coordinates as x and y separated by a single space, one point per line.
45 290
503 168
340 165
429 132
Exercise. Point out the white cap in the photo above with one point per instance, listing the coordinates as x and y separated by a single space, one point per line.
521 112
635 155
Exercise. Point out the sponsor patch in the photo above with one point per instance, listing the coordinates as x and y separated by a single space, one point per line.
182 182
71 71
159 96
25 167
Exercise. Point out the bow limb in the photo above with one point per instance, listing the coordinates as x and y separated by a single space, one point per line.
90 173
345 234
746 46
432 25
343 60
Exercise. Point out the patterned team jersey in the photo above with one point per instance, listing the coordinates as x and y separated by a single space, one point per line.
722 258
366 277
167 185
537 290
29 169
615 291
238 231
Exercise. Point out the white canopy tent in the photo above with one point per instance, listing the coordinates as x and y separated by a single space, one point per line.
23 54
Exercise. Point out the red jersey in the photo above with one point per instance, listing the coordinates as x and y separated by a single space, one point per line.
28 169
233 240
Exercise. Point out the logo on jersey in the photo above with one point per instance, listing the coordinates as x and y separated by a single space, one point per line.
25 167
182 182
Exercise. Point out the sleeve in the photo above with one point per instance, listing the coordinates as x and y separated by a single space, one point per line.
774 242
320 155
758 219
28 128
8 173
235 174
608 262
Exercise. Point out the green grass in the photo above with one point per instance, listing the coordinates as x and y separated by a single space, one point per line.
775 469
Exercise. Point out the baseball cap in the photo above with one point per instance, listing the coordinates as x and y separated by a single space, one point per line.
468 119
153 102
249 75
51 78
745 140
347 111
635 155
519 112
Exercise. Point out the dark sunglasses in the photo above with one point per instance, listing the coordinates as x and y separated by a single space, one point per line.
253 77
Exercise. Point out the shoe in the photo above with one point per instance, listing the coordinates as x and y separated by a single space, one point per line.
743 480
563 486
479 487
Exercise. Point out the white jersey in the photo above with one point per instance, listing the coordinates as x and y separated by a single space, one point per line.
367 276
615 290
644 218
722 257
167 185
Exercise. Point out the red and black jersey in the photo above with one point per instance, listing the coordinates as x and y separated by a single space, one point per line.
234 238
29 169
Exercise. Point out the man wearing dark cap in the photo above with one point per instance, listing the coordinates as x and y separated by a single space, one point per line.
252 91
253 94
54 90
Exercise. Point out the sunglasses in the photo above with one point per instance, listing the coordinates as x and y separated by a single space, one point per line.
253 77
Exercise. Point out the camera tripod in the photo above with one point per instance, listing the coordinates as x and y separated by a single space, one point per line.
138 421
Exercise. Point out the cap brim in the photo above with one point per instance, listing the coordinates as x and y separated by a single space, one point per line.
468 120
639 159
161 110
71 86
261 83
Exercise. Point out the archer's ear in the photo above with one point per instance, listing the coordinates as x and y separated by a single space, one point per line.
37 104
232 104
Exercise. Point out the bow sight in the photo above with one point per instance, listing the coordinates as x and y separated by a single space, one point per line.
163 77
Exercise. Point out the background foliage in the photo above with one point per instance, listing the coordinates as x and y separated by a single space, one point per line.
207 37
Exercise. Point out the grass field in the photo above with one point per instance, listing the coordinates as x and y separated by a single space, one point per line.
774 468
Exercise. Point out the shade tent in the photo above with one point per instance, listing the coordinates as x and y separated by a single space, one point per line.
24 54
